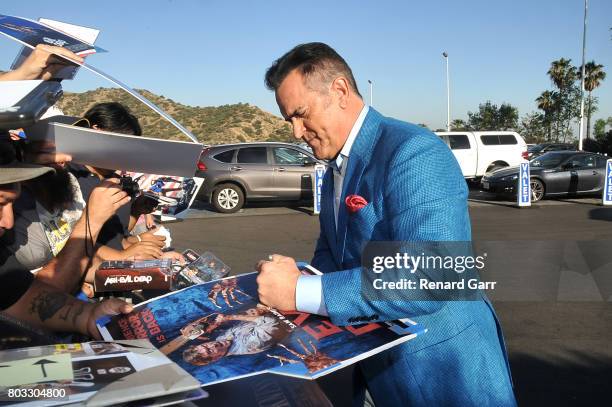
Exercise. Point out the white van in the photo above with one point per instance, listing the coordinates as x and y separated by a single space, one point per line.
479 152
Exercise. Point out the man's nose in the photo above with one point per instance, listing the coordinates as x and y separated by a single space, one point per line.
298 129
6 217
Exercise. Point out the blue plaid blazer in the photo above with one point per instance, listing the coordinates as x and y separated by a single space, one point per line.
415 192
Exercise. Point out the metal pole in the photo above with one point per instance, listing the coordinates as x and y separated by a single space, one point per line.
581 132
448 122
370 82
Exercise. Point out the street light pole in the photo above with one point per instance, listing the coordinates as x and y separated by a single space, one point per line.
371 84
448 123
581 132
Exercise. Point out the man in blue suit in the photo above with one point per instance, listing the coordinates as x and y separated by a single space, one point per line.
414 192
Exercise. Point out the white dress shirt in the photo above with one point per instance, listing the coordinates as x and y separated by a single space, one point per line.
309 289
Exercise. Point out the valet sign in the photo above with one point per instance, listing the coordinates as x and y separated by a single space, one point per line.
607 191
319 173
524 187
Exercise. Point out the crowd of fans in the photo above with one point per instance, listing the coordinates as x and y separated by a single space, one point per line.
59 220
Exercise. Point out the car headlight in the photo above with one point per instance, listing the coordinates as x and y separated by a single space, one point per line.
509 177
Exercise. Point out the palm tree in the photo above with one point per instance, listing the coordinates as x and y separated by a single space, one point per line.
459 125
547 102
593 76
562 73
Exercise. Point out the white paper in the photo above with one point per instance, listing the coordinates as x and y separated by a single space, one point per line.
115 151
85 34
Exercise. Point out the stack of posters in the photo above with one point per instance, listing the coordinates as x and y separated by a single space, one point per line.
218 332
94 374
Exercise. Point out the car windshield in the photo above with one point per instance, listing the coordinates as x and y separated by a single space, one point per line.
536 148
548 160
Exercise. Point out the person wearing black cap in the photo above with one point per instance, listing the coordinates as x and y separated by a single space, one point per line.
24 298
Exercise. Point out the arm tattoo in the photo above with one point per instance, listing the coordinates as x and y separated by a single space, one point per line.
64 317
78 311
47 304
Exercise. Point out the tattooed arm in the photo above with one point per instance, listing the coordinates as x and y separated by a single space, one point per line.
46 307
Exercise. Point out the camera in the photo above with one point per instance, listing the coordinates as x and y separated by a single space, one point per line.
129 186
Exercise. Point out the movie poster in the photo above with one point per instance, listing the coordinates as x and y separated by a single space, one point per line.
33 33
217 331
176 194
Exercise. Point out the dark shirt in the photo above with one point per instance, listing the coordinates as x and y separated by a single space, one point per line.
15 279
116 228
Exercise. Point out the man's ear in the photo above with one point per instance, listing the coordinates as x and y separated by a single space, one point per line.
340 87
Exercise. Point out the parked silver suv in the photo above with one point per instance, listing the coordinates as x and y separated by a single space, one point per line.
234 173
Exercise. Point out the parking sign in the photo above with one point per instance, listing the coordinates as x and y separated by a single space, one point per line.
607 191
319 173
524 186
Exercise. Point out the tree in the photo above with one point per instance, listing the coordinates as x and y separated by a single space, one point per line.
491 117
459 125
593 76
547 103
600 127
567 107
507 117
534 128
562 73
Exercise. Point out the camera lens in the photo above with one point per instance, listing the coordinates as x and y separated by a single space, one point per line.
129 186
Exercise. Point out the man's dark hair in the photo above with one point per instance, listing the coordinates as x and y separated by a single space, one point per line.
54 190
115 117
314 59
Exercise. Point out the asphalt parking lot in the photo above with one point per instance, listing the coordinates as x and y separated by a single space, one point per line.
559 351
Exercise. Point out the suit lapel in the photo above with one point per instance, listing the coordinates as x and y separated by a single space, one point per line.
359 157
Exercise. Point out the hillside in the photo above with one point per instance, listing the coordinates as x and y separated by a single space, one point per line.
211 125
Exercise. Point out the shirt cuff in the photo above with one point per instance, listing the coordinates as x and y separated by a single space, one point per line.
309 295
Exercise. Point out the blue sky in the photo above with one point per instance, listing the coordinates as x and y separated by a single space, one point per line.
215 52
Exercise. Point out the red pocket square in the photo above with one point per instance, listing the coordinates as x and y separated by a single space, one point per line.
354 203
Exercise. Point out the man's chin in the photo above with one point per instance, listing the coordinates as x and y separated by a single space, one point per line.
319 153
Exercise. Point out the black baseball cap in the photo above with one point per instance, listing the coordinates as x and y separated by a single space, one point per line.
12 170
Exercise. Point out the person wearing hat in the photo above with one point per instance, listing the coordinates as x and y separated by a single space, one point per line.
27 299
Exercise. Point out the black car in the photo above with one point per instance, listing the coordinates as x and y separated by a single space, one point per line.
553 174
539 149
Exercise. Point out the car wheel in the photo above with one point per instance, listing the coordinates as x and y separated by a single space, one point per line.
228 198
537 190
